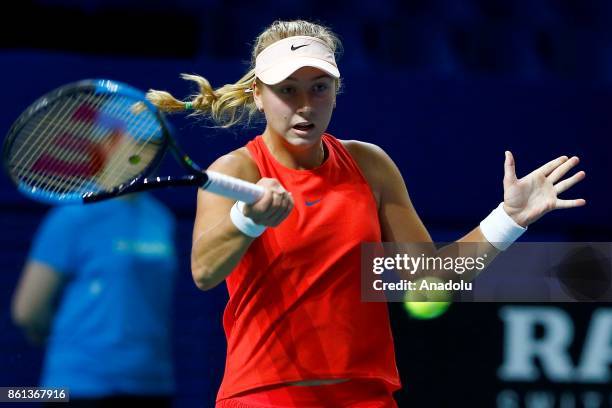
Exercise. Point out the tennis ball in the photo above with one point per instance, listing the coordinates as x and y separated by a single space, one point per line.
135 159
426 310
427 304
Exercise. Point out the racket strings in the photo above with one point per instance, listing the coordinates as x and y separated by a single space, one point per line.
56 162
109 133
67 149
140 148
36 142
102 139
105 136
27 141
21 142
143 128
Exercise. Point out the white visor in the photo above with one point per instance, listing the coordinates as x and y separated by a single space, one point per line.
281 59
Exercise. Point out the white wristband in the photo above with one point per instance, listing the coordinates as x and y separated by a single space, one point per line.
500 229
246 225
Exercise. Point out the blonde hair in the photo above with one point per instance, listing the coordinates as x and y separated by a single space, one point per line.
232 103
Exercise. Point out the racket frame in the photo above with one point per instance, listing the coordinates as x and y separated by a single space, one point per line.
142 182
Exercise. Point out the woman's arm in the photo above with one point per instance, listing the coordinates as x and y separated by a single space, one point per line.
218 245
33 301
530 198
399 221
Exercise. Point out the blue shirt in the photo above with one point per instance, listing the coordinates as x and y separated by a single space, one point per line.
111 331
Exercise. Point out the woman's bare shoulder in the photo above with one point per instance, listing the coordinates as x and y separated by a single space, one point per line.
373 163
237 163
370 158
363 149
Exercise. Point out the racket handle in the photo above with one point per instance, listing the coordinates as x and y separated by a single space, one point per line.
232 187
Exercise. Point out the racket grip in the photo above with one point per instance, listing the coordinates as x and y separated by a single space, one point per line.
232 187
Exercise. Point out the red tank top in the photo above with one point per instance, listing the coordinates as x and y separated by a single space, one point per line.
294 311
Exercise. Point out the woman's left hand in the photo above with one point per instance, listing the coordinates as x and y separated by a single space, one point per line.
529 198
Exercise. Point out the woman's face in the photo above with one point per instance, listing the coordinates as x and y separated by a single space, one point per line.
299 108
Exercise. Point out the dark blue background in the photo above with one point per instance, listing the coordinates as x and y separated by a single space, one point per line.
443 86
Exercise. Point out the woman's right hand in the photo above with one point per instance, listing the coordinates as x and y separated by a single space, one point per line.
273 207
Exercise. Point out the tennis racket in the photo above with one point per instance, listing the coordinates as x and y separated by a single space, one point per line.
97 139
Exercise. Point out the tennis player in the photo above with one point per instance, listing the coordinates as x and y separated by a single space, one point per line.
297 333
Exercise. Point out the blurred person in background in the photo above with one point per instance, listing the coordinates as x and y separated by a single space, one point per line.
97 292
